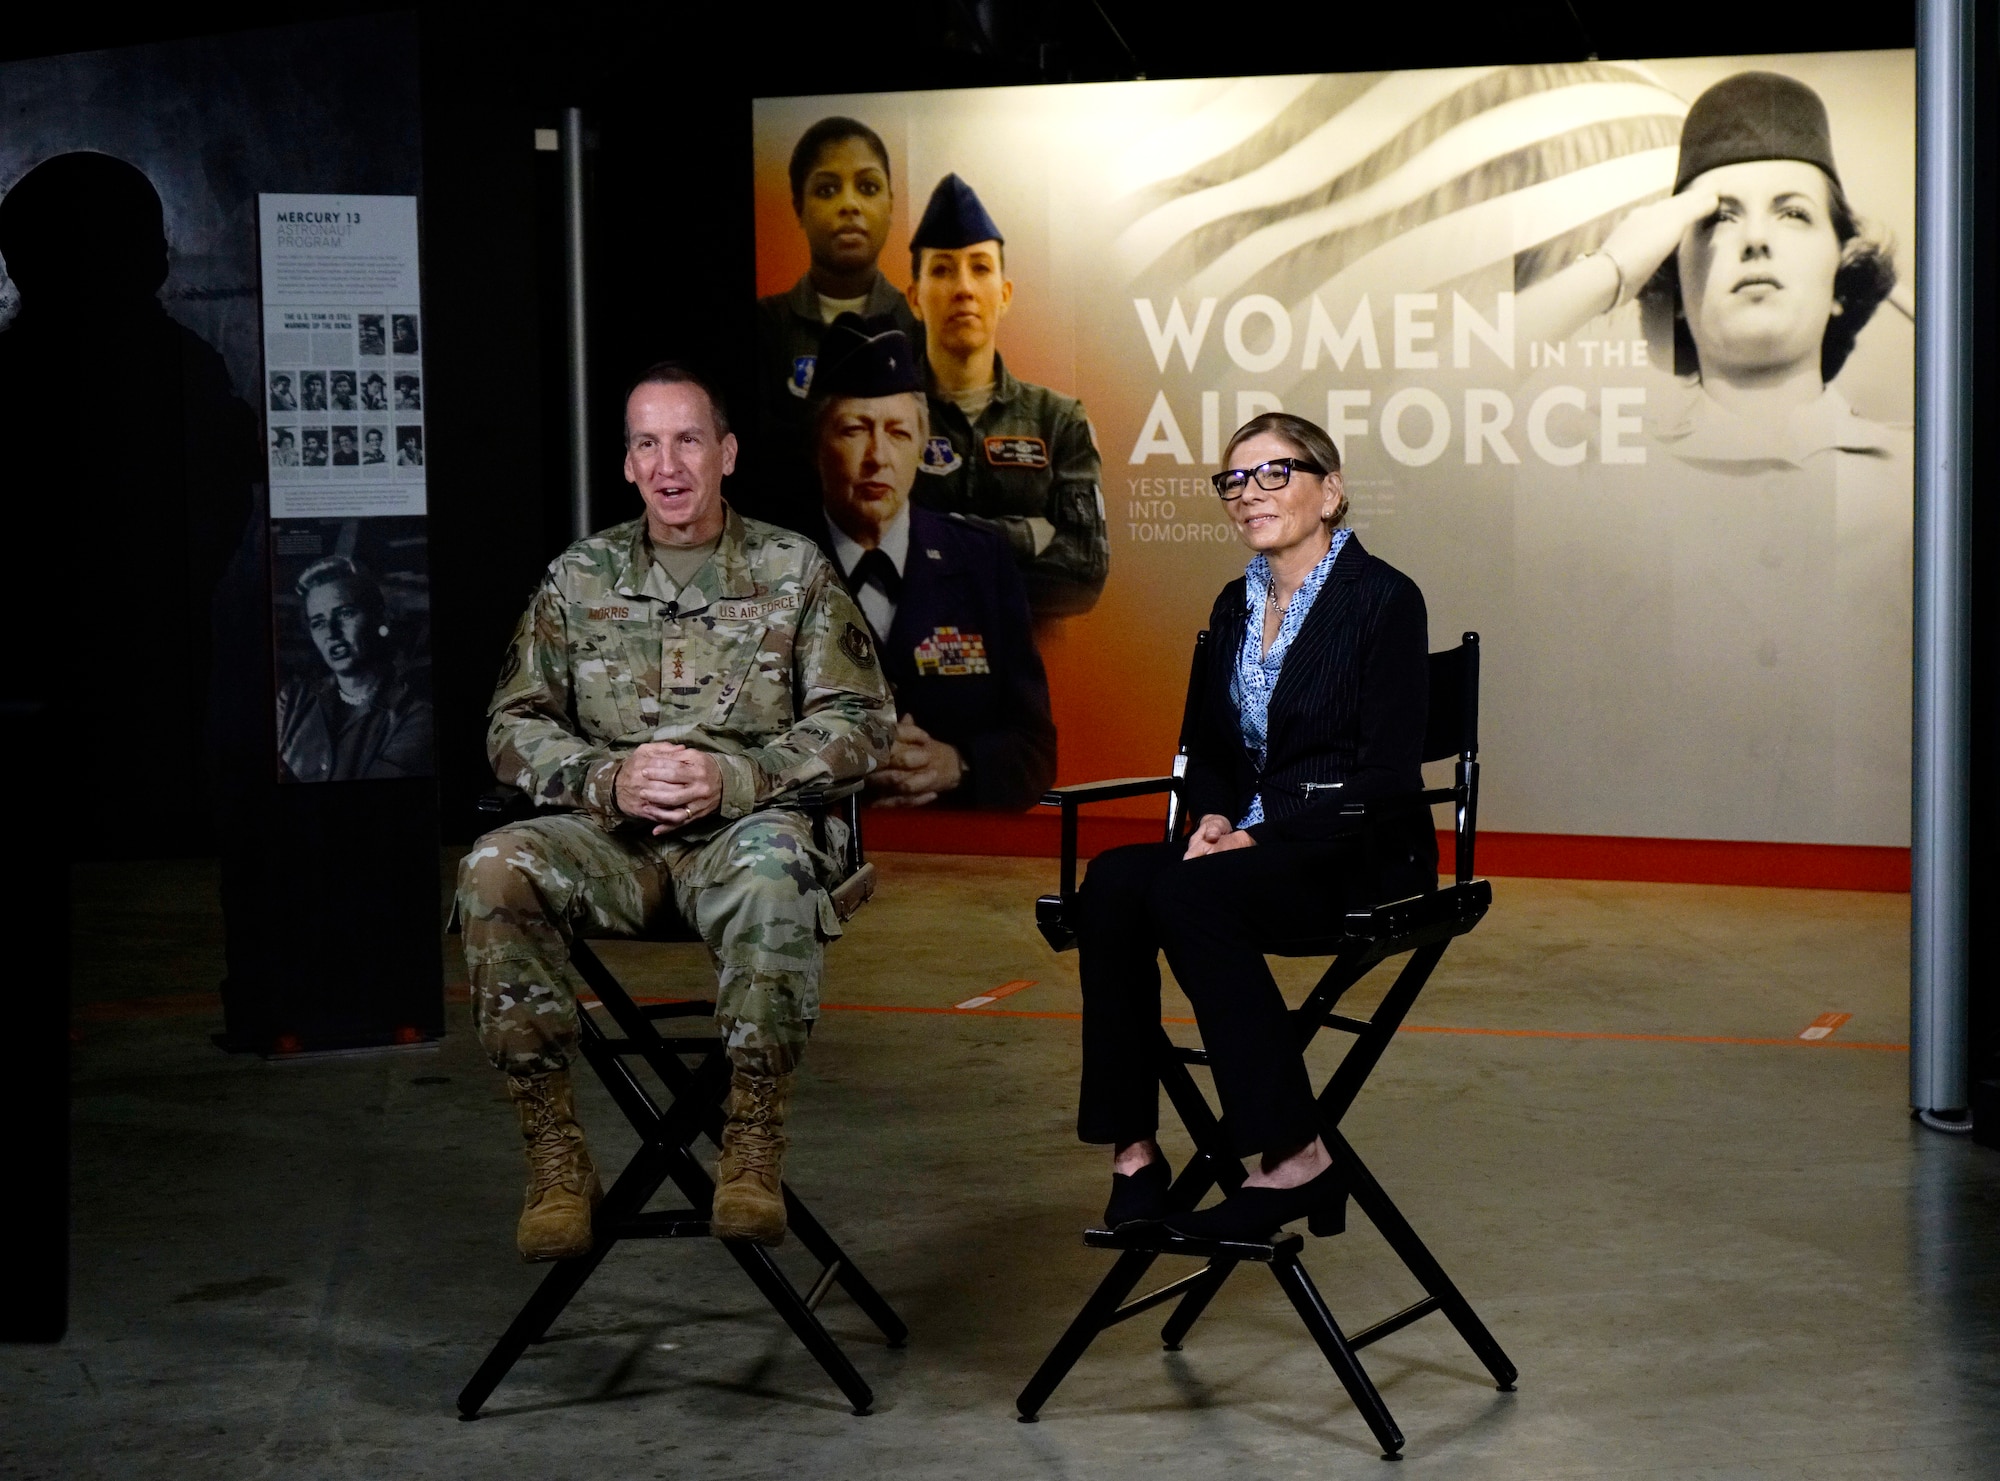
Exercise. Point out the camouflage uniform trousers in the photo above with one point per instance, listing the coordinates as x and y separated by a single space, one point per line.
752 888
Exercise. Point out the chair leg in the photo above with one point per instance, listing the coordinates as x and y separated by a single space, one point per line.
779 1291
1306 1300
555 1292
699 1189
823 1248
1194 1303
633 1190
1110 1294
1395 1229
799 1219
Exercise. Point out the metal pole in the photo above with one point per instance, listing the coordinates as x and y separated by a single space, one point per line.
1941 774
576 323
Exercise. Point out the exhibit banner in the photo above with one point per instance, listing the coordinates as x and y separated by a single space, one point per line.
344 417
343 355
1618 356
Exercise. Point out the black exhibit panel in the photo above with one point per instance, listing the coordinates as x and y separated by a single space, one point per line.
131 369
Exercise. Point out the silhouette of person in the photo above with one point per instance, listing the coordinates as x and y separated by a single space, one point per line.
179 763
84 240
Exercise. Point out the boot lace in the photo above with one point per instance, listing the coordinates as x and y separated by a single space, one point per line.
754 1145
552 1153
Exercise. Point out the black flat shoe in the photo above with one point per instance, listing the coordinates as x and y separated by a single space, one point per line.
1258 1213
1141 1197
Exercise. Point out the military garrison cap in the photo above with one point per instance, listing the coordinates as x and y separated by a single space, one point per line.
865 357
1752 116
954 218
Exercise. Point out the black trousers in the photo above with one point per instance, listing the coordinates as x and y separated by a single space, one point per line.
1207 914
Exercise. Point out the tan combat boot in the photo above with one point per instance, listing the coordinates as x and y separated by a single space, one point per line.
563 1190
749 1193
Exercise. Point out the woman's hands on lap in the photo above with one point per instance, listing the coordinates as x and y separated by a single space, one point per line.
1215 834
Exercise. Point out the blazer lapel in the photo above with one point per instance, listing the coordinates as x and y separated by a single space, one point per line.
1323 626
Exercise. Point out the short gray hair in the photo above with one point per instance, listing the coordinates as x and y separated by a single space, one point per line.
820 405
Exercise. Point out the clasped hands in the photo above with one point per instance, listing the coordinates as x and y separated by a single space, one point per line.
669 785
919 770
1215 834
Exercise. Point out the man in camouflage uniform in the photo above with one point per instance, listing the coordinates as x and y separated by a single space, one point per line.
674 681
1013 456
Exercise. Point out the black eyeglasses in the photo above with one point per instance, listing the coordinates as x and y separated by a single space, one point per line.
1231 482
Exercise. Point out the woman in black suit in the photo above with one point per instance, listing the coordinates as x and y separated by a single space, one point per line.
1316 694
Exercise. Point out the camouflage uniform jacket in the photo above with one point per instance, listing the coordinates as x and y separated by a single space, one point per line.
762 660
1030 455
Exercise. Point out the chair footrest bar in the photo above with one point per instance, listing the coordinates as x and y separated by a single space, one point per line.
824 1284
1191 1056
1157 1239
670 1223
1147 1302
692 1008
1394 1323
683 1045
1351 1025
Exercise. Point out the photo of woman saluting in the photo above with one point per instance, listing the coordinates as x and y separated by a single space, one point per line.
1756 265
1721 629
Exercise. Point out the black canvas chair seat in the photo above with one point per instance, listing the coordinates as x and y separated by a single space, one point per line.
694 1071
1419 928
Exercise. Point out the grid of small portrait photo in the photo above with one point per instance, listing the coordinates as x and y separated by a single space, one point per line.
356 412
351 611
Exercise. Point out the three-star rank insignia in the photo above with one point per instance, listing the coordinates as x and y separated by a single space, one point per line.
676 677
948 652
854 643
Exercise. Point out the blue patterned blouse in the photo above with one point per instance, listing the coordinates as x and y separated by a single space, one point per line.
1257 671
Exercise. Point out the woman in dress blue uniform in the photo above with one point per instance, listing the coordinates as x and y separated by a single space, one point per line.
948 610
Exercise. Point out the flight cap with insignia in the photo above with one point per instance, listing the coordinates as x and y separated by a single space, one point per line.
1753 116
863 358
954 218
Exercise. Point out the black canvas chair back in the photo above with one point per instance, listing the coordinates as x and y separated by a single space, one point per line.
1417 930
693 1071
1451 729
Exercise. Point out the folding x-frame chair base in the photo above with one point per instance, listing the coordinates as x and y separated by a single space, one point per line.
1138 1249
1421 927
664 1155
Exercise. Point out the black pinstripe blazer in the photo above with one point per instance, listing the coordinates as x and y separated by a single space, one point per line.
1346 722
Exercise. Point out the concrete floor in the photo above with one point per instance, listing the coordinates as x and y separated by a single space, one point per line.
1708 1259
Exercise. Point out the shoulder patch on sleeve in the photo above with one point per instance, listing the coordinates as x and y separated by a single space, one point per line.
854 643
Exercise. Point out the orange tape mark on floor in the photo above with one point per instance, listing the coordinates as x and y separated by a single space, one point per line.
1429 1028
1824 1025
1552 1033
192 1003
1004 990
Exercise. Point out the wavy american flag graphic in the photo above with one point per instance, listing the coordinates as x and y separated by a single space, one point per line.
1335 185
